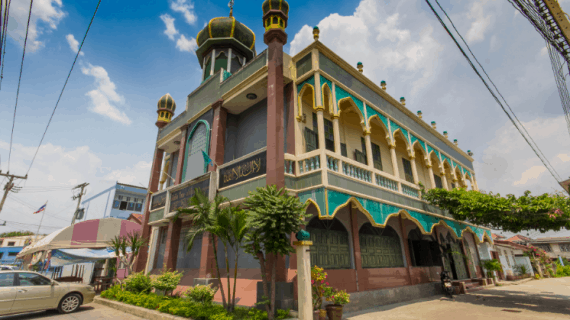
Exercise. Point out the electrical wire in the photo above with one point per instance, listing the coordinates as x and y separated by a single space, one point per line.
3 37
557 66
64 85
19 82
552 172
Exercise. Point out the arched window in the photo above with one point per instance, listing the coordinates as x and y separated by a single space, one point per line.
424 250
198 141
207 68
330 249
380 247
235 64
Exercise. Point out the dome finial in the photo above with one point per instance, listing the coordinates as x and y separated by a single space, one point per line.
231 5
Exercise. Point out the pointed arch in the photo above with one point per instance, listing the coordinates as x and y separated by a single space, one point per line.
205 144
310 202
469 230
305 90
416 145
376 119
327 99
399 132
348 103
445 225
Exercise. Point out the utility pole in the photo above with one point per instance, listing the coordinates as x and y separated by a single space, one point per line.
8 187
81 194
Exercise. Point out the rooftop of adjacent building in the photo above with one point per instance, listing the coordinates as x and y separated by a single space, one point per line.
143 189
550 240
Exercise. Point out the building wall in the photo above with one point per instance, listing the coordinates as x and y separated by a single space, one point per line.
246 132
526 262
507 258
8 254
380 140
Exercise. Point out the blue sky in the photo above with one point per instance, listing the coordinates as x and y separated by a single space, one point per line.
103 130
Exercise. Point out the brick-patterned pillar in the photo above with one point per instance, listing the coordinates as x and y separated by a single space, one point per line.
181 154
152 187
406 249
356 247
465 254
218 138
172 242
207 263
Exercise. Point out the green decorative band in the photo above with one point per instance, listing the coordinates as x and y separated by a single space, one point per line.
310 80
414 139
396 126
343 94
372 112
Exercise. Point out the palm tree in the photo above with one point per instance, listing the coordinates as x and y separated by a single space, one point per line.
119 245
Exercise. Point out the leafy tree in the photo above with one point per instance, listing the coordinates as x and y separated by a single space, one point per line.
272 216
15 234
119 244
223 222
545 212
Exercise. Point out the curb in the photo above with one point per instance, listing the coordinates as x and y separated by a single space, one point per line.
514 283
136 311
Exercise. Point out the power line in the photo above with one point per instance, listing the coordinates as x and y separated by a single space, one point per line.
3 37
19 82
65 84
551 170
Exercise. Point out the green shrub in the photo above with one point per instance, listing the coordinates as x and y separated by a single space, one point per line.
138 283
167 281
200 293
520 269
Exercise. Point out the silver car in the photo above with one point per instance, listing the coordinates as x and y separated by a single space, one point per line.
27 291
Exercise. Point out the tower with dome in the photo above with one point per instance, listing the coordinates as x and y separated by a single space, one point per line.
316 125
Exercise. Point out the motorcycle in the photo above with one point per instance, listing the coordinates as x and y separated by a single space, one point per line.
446 284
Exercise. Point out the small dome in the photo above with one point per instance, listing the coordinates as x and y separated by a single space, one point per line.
166 102
227 27
275 5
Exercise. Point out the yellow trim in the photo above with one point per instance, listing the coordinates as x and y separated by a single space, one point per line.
198 36
316 206
253 44
280 1
320 108
269 4
331 104
300 98
404 138
353 104
233 27
302 243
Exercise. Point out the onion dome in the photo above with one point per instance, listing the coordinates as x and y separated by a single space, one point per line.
226 31
166 107
275 5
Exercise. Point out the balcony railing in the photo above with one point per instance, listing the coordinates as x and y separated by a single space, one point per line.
356 172
386 183
410 191
332 163
310 164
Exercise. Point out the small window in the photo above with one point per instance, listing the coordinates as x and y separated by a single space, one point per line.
281 23
267 23
138 207
119 197
315 123
437 180
128 199
32 279
408 170
131 206
311 140
453 186
12 254
376 156
343 150
11 244
162 114
274 20
329 135
116 204
7 279
123 205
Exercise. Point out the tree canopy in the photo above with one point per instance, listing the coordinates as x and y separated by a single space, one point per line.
546 212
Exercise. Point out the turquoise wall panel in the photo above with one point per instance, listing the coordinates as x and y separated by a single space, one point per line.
372 112
310 80
317 195
414 139
430 149
394 126
341 94
444 157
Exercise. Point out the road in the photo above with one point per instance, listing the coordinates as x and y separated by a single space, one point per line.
91 311
536 299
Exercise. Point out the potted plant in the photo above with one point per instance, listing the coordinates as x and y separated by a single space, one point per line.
319 288
339 298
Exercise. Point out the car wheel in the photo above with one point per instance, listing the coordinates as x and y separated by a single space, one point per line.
69 303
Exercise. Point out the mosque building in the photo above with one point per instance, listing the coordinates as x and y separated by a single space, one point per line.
317 126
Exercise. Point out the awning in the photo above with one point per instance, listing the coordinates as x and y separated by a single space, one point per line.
90 234
61 257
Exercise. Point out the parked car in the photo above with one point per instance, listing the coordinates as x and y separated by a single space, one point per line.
4 267
27 291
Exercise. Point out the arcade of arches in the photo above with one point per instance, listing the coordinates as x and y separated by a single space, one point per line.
359 256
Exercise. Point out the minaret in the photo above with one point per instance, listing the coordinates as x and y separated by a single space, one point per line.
275 15
166 107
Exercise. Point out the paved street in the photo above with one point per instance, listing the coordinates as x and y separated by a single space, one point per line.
536 299
92 311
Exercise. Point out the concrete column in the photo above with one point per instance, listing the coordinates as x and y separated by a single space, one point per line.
414 169
474 184
275 40
181 154
444 179
395 165
152 187
431 178
218 136
304 292
368 143
336 131
356 244
229 61
321 128
153 247
406 249
172 242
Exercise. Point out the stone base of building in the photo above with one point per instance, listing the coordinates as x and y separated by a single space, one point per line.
374 298
284 298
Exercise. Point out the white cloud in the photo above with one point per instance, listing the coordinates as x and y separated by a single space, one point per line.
73 44
532 173
563 157
105 97
59 166
46 15
187 9
170 29
184 44
544 51
481 21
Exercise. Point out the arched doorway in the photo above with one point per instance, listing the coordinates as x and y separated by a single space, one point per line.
453 256
330 249
380 247
198 141
424 250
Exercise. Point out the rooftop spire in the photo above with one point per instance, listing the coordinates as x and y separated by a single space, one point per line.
231 5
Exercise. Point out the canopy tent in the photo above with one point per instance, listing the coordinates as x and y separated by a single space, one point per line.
61 257
91 234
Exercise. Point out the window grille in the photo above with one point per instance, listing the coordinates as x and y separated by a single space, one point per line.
360 157
380 247
329 135
330 249
311 140
546 247
343 150
376 156
438 183
565 247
